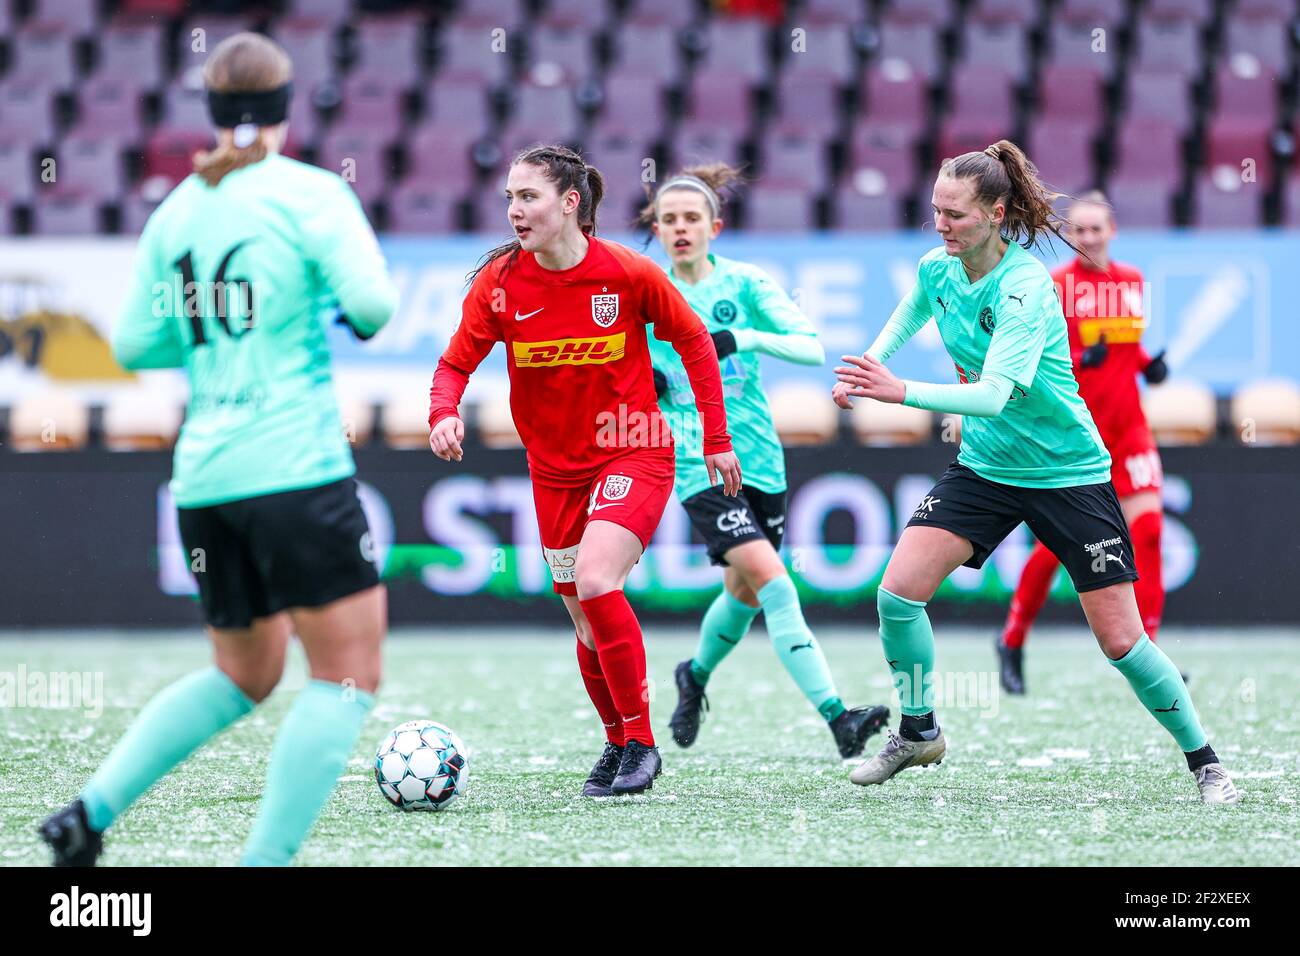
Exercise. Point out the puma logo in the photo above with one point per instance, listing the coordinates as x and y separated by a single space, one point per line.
727 640
890 663
800 647
1019 298
1167 710
942 304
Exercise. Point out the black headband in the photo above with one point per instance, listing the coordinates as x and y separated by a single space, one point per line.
261 108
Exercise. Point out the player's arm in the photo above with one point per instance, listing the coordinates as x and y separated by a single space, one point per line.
344 248
677 324
146 334
1012 360
784 332
473 339
908 318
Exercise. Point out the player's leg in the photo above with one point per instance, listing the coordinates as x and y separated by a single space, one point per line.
249 645
1031 594
342 641
1102 571
1144 514
602 775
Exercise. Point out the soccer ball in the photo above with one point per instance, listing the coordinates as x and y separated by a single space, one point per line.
421 765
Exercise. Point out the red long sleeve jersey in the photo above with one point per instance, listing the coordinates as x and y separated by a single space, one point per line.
581 385
1108 303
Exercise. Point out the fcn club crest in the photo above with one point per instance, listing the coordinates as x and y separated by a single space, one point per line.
616 487
604 309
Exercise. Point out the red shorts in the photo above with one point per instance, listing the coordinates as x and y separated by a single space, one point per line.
631 492
1135 464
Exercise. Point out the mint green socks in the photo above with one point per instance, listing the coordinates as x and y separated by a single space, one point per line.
175 723
1159 686
310 751
908 642
796 647
725 622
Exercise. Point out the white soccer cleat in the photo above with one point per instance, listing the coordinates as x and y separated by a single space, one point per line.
1216 786
899 754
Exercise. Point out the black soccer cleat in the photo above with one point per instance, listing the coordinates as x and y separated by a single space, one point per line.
691 705
853 727
602 775
637 772
1011 670
69 835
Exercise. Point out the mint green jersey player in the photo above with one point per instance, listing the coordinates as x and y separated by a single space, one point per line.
1006 331
235 283
744 300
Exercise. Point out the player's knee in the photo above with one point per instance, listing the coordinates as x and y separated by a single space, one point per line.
894 608
592 580
1117 644
257 684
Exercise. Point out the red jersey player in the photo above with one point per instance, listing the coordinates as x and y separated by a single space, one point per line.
1102 301
572 311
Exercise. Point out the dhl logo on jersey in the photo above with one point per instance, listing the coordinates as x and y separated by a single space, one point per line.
597 350
1116 330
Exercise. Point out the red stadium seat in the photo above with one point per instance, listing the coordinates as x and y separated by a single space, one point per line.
1092 13
108 108
1235 142
1023 13
632 101
462 103
75 18
391 46
650 50
895 95
1068 92
826 51
722 100
842 13
91 168
778 209
65 214
1159 96
808 104
1148 150
1261 39
916 43
937 13
1224 202
156 8
440 153
332 12
545 107
372 103
674 13
573 15
169 153
310 44
44 56
1196 11
359 158
1074 44
419 207
881 160
966 134
978 93
507 14
700 141
1241 97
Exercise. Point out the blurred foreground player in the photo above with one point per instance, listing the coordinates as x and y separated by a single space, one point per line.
1029 452
747 314
235 273
1102 300
572 310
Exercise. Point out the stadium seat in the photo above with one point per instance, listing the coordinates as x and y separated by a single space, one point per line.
1172 46
885 423
631 103
391 46
91 167
1291 201
1195 11
559 55
358 158
983 95
418 206
26 113
804 414
51 419
915 43
549 110
1141 203
130 51
136 207
43 55
886 156
776 208
1242 144
996 48
841 13
795 161
326 11
1262 40
1148 150
966 133
158 8
108 108
621 157
738 48
17 172
467 52
649 50
373 105
137 418
856 211
1073 43
1071 93
1222 201
1063 152
1104 13
185 110
65 213
439 154
170 154
310 44
937 13
571 15
1267 412
1022 13
460 103
199 36
74 17
894 95
808 104
826 52
1246 92
496 424
1180 412
701 142
1159 96
507 14
722 100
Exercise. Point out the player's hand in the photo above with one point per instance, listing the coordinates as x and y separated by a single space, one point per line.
726 464
840 395
1094 355
446 437
1157 370
868 378
661 383
343 320
724 343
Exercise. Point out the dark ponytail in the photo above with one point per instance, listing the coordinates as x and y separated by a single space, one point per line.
567 170
1003 172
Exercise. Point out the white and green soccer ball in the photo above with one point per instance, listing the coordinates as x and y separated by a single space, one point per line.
421 765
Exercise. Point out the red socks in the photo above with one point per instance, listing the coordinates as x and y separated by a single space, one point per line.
598 691
1149 589
1031 593
621 651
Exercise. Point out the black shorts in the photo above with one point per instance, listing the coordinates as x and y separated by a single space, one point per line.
1083 526
258 556
726 522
